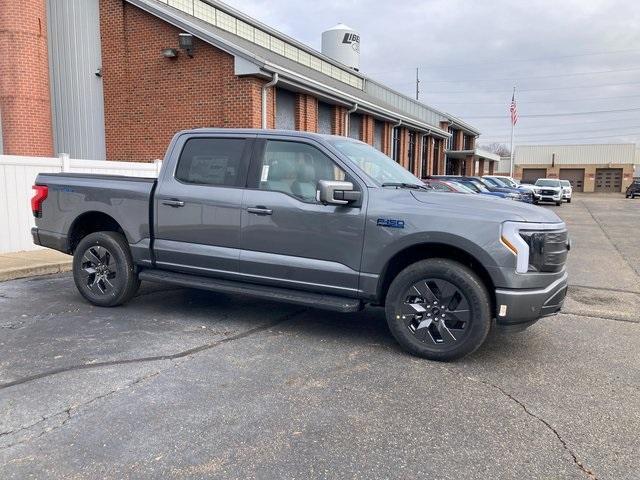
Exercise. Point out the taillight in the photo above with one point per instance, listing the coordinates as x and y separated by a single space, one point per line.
40 196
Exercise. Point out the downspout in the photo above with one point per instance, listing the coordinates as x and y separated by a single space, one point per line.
347 120
391 139
266 87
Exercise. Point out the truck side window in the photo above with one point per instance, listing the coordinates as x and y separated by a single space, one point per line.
211 161
296 168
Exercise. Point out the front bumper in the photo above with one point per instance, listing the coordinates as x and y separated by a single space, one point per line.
525 306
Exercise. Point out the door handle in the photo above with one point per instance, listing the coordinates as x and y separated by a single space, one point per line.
260 210
173 203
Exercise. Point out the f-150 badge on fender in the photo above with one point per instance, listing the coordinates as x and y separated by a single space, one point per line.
390 222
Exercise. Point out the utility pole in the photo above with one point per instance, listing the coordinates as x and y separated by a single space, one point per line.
513 125
417 83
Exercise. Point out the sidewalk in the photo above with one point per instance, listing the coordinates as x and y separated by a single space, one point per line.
37 262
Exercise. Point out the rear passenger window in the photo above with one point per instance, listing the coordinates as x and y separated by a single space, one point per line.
296 168
211 161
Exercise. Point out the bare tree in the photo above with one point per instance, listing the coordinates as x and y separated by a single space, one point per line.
497 148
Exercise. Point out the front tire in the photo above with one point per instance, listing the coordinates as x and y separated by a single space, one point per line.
568 200
438 309
103 269
559 203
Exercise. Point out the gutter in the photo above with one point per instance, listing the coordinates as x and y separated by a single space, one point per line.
265 88
347 121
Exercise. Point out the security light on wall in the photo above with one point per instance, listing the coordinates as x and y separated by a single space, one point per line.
186 43
169 53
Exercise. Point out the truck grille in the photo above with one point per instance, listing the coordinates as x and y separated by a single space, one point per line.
548 192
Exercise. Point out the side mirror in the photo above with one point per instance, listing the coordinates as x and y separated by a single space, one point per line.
337 193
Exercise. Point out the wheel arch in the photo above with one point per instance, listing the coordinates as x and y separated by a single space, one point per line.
90 222
425 250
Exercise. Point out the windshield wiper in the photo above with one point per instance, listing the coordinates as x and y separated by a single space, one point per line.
405 185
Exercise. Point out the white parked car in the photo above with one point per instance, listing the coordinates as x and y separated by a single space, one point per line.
567 191
548 190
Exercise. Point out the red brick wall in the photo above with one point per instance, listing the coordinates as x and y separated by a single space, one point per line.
25 104
338 124
148 97
387 148
306 113
404 147
367 129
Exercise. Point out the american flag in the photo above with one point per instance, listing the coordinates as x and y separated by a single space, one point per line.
513 109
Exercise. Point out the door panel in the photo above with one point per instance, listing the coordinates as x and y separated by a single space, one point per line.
575 177
198 210
608 180
299 243
530 175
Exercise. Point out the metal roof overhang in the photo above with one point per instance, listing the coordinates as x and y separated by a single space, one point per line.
475 153
288 77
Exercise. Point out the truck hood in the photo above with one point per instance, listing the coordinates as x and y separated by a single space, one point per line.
493 208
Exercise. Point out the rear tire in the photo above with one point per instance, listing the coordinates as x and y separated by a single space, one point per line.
103 269
438 309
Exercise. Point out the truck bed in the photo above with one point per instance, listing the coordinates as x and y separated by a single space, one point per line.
127 200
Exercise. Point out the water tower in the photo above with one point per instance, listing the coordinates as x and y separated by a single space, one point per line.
342 44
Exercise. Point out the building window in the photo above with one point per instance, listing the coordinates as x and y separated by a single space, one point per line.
285 110
378 132
355 125
468 142
396 144
412 152
426 144
325 118
437 145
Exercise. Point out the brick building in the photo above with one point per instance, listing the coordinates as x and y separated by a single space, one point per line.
115 79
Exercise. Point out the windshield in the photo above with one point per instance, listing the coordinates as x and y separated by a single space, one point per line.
503 182
547 182
374 163
566 183
462 188
478 184
493 181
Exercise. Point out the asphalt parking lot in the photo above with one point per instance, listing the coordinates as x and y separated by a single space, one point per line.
188 384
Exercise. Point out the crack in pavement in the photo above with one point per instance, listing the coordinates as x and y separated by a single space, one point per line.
588 472
606 289
154 358
67 412
598 317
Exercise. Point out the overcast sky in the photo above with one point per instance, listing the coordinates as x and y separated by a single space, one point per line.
471 53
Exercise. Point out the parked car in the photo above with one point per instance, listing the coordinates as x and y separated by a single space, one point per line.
526 193
315 220
567 190
477 187
548 190
507 181
633 189
442 186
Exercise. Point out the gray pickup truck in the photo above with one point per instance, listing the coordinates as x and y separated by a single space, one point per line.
315 220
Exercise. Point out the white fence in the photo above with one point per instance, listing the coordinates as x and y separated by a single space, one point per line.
17 176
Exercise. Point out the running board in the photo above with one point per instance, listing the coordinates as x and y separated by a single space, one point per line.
297 297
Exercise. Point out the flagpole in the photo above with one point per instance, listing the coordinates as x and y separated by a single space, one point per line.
512 131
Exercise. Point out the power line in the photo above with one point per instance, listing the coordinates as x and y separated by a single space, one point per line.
538 134
502 62
571 100
502 90
632 134
545 115
600 72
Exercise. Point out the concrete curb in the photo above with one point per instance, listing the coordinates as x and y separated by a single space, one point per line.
31 264
34 270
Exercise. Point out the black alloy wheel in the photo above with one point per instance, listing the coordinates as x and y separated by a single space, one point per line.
438 309
103 269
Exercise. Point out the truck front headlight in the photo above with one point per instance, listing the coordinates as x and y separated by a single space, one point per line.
538 247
